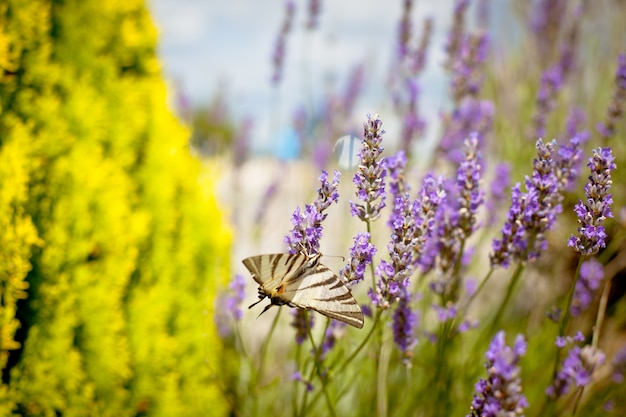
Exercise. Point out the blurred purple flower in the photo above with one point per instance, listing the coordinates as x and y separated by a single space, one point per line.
278 56
334 331
297 376
370 176
501 393
470 116
395 166
457 32
302 322
419 56
568 164
619 365
591 275
230 305
616 107
412 124
597 207
403 324
551 84
497 190
467 76
545 22
404 29
577 369
314 11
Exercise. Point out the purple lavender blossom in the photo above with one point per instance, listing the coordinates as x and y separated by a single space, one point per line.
501 393
551 84
597 207
467 77
497 190
545 22
370 177
619 366
616 108
307 225
577 369
403 324
278 57
395 166
576 119
532 213
456 221
302 322
334 331
404 29
469 116
314 11
297 376
412 124
411 222
361 255
591 275
230 303
568 163
419 56
456 32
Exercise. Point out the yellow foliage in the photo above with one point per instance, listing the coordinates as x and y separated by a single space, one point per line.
110 233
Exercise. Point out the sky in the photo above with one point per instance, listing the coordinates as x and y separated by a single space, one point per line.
212 46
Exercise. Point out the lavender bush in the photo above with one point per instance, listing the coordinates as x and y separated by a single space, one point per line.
494 235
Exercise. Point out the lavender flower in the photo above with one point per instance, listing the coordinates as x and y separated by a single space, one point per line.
470 116
411 221
404 29
370 177
278 57
230 303
314 12
545 23
456 32
576 119
616 108
597 207
297 376
307 225
551 84
412 124
361 255
619 365
501 393
532 213
395 166
456 220
577 369
419 56
302 322
591 275
403 324
467 68
568 164
334 331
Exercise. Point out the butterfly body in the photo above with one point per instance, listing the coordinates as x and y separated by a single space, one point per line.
300 280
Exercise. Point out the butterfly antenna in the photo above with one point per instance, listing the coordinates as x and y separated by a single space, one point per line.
267 307
343 259
253 304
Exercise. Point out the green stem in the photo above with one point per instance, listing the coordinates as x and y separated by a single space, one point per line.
362 345
570 298
255 379
507 298
329 403
381 373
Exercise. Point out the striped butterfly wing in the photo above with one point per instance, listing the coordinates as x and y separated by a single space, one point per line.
320 289
301 281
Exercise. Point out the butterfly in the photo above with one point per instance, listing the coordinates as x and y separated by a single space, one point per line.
300 280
